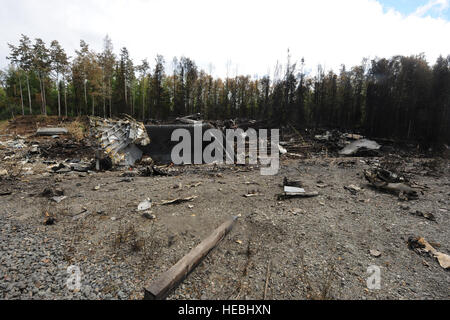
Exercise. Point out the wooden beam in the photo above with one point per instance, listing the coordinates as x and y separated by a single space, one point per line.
161 287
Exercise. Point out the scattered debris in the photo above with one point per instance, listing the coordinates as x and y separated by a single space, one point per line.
49 220
145 205
177 201
81 215
292 183
426 215
58 199
60 168
323 137
420 246
375 253
352 188
404 206
297 211
402 190
80 167
120 138
153 170
293 190
149 215
252 193
50 192
51 131
160 288
359 147
352 136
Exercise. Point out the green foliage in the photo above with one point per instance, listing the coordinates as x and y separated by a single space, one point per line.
400 97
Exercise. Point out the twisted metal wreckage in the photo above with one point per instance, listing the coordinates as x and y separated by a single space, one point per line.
119 138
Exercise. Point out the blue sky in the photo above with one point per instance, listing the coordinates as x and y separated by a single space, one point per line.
407 7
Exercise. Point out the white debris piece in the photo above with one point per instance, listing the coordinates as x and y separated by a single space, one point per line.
290 190
354 147
120 138
51 131
145 205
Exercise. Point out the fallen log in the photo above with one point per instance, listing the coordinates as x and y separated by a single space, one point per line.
161 287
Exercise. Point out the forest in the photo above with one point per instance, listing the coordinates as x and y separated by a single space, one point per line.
400 97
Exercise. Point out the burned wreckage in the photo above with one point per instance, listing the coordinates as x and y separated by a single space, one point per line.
125 141
323 175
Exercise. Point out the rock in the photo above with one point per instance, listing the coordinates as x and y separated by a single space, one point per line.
375 253
58 199
149 215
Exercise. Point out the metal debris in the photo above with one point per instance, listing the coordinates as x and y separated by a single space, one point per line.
51 131
402 190
145 205
293 190
358 146
120 138
177 201
420 245
58 199
426 215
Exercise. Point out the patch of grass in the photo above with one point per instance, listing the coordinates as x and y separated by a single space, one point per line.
322 289
129 236
3 126
77 129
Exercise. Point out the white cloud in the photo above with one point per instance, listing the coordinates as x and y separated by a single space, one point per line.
436 5
252 34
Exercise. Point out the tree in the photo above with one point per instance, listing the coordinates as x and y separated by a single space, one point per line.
41 64
143 69
80 68
126 76
156 89
107 62
14 57
59 62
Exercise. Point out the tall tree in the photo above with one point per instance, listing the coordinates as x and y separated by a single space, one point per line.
143 70
14 57
107 62
59 62
41 64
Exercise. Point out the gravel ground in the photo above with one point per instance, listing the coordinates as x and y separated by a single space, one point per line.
315 248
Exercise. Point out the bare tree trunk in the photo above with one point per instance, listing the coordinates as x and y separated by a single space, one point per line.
143 97
59 97
110 98
65 98
21 96
104 99
42 95
126 98
132 104
85 95
93 102
45 100
29 94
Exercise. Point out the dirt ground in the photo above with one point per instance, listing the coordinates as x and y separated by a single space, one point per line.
302 248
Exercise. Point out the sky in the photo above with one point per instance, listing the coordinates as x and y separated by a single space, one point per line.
237 36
